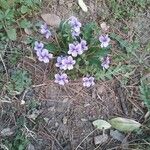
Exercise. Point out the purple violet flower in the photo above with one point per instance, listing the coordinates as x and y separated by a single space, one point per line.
68 63
44 55
61 79
105 62
44 30
84 46
75 49
88 81
38 46
75 33
73 21
75 26
104 39
59 62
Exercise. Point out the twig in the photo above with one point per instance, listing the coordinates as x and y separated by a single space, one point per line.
85 138
4 66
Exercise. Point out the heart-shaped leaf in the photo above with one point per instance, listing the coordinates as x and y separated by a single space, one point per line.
12 34
101 124
125 125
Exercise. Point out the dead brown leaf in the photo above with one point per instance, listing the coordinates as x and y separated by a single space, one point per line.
51 19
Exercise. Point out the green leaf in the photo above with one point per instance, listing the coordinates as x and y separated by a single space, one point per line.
89 31
145 91
24 9
11 33
1 15
21 147
52 48
20 80
124 125
9 15
4 4
101 124
25 24
96 53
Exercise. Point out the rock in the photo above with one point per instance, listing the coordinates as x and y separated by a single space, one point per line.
100 139
51 19
117 135
104 26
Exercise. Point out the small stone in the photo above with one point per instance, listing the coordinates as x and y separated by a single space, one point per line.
28 31
65 120
65 100
46 119
117 135
61 2
56 124
100 139
86 105
69 4
22 102
83 119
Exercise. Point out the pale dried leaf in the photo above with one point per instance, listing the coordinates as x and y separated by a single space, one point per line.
51 19
82 5
124 124
101 124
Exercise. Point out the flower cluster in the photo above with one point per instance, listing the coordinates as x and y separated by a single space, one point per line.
45 31
76 48
75 26
43 54
65 62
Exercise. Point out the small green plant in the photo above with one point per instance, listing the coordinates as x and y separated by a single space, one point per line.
145 91
126 9
81 50
19 142
19 81
13 13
